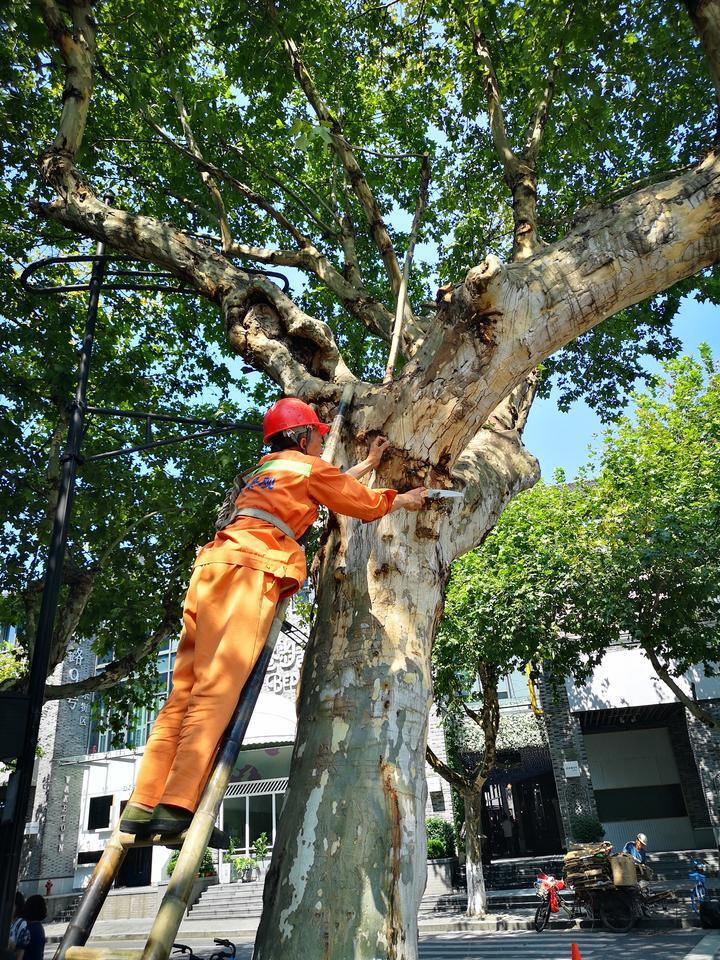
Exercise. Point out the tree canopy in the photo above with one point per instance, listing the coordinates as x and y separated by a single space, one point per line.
211 92
628 553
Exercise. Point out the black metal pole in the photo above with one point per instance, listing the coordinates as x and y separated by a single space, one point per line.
12 829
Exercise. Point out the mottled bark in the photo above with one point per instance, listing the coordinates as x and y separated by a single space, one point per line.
347 871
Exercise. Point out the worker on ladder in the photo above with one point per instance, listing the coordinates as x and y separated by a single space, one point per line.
238 578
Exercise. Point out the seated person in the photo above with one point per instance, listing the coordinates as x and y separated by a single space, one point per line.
636 848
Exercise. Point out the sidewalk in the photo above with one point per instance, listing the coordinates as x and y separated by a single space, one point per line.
244 929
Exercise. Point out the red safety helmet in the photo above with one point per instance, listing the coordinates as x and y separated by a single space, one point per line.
289 413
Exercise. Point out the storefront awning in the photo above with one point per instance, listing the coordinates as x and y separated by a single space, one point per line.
273 721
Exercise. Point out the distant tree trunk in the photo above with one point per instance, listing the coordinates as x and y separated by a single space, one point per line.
476 893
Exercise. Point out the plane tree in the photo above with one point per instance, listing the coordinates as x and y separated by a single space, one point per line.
574 185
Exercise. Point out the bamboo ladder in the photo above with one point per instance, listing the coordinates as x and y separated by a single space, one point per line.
194 840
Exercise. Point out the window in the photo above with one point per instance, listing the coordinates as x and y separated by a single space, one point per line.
89 856
99 813
437 799
139 723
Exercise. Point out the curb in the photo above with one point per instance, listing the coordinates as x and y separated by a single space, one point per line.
459 924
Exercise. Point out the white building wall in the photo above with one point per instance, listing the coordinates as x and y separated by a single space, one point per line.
625 678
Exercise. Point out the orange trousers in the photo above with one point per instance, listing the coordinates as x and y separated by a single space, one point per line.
226 619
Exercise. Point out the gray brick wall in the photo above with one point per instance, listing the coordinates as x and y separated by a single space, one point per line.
690 782
705 743
566 745
56 807
436 741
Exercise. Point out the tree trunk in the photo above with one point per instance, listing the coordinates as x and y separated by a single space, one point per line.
347 874
477 897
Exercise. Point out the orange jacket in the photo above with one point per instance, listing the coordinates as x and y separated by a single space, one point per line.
290 485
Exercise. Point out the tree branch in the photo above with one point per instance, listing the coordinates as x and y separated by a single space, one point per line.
402 306
207 178
489 719
450 776
344 153
308 258
77 49
537 125
494 104
705 16
327 231
271 345
118 669
664 674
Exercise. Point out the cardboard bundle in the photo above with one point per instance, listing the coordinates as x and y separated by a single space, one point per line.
587 866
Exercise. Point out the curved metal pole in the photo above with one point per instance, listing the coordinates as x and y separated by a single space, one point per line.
13 820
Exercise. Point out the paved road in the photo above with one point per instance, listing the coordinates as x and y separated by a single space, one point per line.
549 945
555 945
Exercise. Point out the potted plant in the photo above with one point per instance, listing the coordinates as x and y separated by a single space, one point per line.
259 849
206 868
245 868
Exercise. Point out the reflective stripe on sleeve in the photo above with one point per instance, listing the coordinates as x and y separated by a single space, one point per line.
286 466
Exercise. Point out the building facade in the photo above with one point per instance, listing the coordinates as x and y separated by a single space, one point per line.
619 749
627 752
82 784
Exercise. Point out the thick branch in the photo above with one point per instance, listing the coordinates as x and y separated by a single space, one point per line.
356 301
402 307
705 16
494 104
664 674
77 49
489 719
449 775
345 154
504 320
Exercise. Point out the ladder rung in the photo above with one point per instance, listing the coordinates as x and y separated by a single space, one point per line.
129 840
102 953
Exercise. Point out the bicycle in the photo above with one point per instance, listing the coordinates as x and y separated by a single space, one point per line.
697 891
184 951
549 888
227 953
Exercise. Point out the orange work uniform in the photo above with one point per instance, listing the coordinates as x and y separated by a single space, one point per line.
236 583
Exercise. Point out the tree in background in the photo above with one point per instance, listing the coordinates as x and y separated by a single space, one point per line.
486 632
629 553
574 183
646 556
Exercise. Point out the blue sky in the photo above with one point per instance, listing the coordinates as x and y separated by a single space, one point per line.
562 439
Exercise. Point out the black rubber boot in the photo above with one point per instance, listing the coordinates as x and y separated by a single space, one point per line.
135 820
171 821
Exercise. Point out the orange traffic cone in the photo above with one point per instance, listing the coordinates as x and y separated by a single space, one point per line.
575 952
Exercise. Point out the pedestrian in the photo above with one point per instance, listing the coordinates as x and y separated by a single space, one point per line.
34 912
19 934
508 827
254 561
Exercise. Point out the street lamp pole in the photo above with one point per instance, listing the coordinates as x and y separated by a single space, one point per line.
12 826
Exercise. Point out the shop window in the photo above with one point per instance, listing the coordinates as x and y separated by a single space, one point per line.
99 812
88 856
